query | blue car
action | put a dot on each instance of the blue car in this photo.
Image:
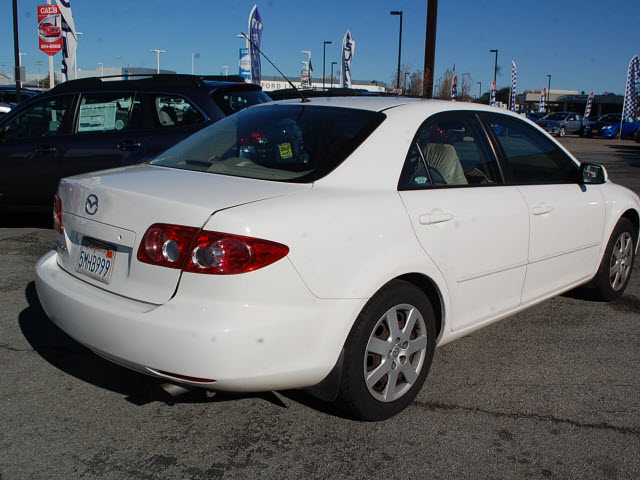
(609, 126)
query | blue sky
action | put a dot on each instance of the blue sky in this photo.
(584, 45)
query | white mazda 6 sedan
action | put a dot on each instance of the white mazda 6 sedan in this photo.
(331, 245)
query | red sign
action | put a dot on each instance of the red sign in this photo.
(49, 29)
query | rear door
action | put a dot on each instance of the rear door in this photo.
(473, 226)
(106, 133)
(31, 145)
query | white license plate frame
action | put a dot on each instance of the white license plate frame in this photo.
(96, 260)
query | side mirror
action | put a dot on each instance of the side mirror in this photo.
(592, 174)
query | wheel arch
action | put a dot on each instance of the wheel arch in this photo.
(633, 216)
(433, 293)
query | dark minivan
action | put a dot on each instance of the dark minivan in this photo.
(99, 123)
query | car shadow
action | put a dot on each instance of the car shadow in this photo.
(26, 220)
(629, 153)
(72, 358)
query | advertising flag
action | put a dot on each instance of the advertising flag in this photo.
(245, 64)
(492, 98)
(49, 29)
(255, 36)
(631, 93)
(454, 88)
(348, 49)
(514, 74)
(69, 39)
(587, 110)
(543, 100)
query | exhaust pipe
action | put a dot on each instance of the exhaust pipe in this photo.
(174, 390)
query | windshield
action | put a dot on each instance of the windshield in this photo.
(555, 116)
(286, 143)
(611, 118)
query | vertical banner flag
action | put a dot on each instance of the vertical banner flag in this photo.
(49, 29)
(492, 98)
(514, 73)
(631, 93)
(244, 64)
(543, 100)
(454, 88)
(255, 35)
(69, 39)
(587, 110)
(348, 49)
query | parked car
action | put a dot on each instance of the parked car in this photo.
(330, 245)
(636, 135)
(96, 123)
(609, 126)
(561, 123)
(9, 95)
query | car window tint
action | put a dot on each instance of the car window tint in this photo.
(106, 112)
(530, 155)
(41, 119)
(233, 101)
(289, 143)
(448, 150)
(174, 111)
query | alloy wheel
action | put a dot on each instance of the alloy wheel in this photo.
(621, 261)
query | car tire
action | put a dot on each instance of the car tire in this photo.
(562, 132)
(388, 353)
(616, 265)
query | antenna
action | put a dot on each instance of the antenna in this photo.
(304, 99)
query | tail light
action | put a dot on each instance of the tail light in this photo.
(57, 214)
(254, 138)
(212, 253)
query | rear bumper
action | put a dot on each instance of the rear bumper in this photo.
(273, 335)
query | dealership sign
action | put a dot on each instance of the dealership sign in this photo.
(49, 29)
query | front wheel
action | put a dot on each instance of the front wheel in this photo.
(388, 353)
(617, 263)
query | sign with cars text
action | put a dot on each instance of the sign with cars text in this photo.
(49, 29)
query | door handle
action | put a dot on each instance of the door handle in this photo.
(45, 149)
(435, 216)
(542, 209)
(129, 145)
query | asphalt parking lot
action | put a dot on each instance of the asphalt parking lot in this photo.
(552, 392)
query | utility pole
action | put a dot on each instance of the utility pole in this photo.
(430, 48)
(16, 50)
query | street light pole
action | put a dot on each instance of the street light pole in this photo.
(479, 89)
(549, 94)
(406, 89)
(395, 12)
(332, 64)
(324, 55)
(158, 52)
(226, 70)
(495, 64)
(101, 68)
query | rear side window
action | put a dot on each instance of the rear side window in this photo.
(174, 111)
(231, 101)
(290, 143)
(107, 112)
(449, 149)
(42, 119)
(531, 157)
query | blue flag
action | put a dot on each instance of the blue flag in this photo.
(255, 36)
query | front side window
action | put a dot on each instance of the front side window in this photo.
(109, 112)
(231, 101)
(531, 157)
(449, 150)
(174, 111)
(42, 119)
(288, 143)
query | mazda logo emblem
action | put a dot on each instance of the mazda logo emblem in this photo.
(91, 204)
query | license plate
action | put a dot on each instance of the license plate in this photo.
(96, 259)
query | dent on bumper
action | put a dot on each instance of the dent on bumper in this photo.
(251, 346)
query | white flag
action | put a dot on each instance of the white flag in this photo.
(69, 39)
(348, 49)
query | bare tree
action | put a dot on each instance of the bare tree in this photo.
(410, 82)
(465, 82)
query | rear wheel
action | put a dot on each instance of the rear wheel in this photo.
(617, 263)
(618, 135)
(388, 353)
(562, 132)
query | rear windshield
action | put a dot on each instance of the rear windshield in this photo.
(231, 101)
(287, 143)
